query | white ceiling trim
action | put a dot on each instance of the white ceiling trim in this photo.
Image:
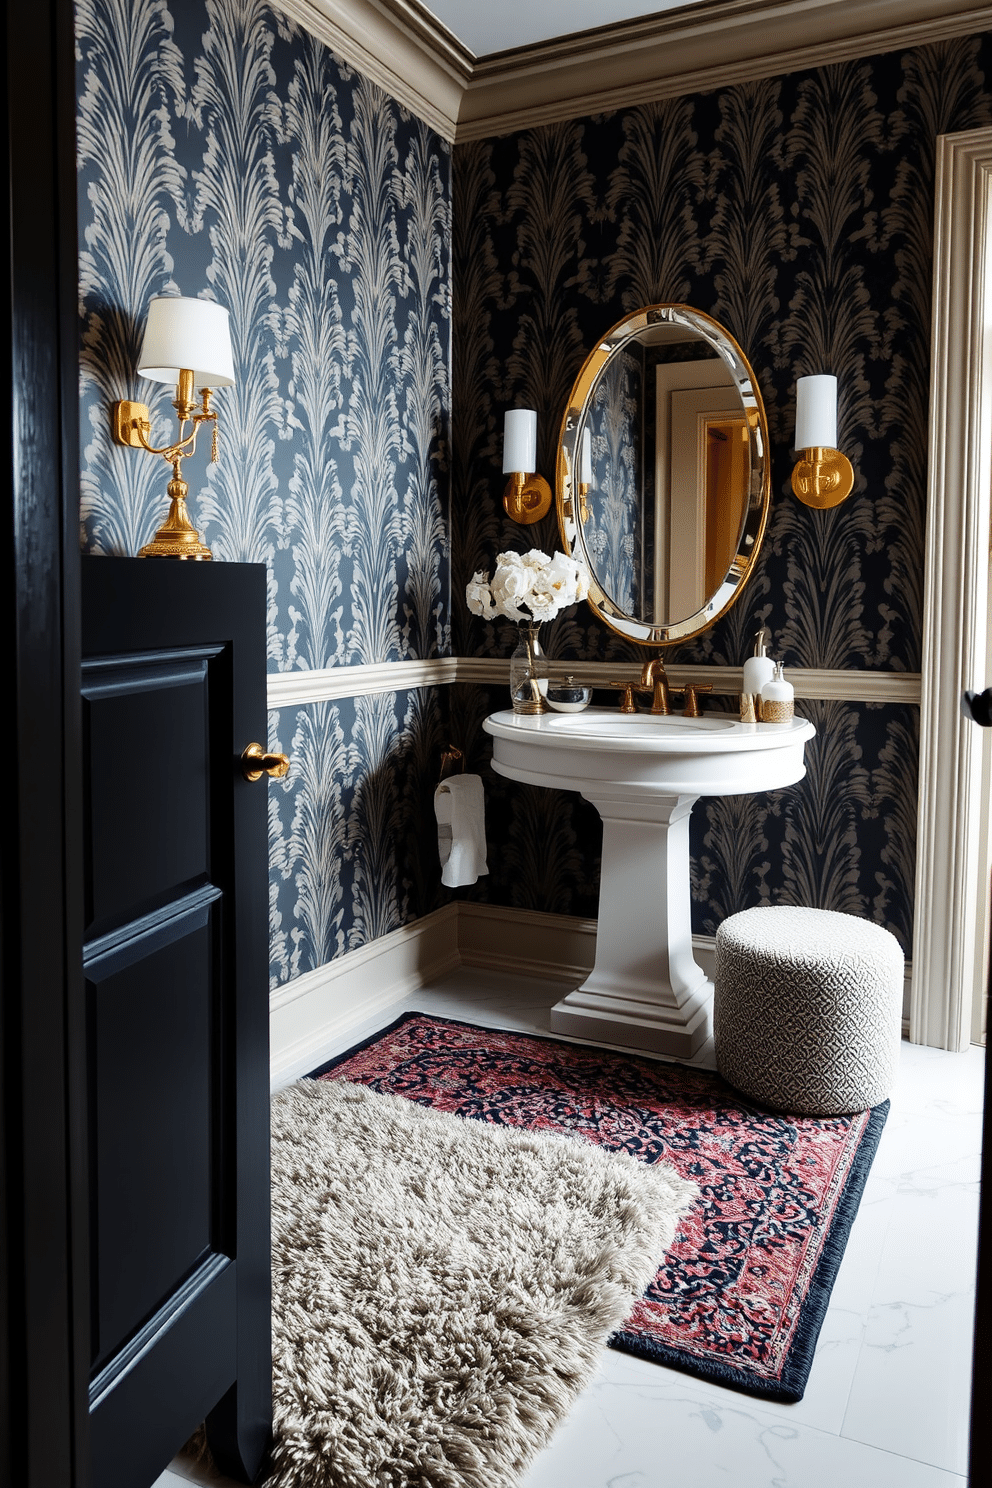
(417, 60)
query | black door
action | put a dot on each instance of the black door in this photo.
(175, 966)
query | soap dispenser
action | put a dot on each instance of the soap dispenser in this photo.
(777, 698)
(759, 668)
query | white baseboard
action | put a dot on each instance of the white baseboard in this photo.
(312, 1013)
(559, 947)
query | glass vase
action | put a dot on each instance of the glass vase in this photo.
(529, 672)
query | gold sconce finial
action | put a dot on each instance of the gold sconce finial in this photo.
(187, 342)
(527, 497)
(822, 477)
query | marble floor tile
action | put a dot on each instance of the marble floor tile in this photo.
(914, 1368)
(625, 1434)
(888, 1396)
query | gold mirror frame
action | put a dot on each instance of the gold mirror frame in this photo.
(756, 515)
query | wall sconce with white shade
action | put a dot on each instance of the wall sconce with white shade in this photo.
(527, 497)
(822, 476)
(188, 344)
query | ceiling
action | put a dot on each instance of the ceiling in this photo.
(515, 23)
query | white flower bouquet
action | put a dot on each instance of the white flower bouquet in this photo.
(529, 586)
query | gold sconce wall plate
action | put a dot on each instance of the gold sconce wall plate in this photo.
(822, 478)
(527, 498)
(130, 421)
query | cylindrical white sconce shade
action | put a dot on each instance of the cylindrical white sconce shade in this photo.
(816, 412)
(184, 333)
(520, 441)
(585, 463)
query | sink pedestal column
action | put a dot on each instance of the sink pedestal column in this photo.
(645, 990)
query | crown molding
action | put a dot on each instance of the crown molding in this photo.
(397, 44)
(694, 49)
(401, 46)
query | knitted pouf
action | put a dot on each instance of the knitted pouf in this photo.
(807, 1009)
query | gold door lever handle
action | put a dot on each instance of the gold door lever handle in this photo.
(255, 763)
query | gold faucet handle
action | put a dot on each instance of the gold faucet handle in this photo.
(627, 689)
(692, 691)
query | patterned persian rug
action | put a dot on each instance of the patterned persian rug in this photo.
(442, 1289)
(741, 1294)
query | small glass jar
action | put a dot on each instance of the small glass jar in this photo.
(565, 695)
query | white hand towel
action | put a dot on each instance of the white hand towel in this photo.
(459, 806)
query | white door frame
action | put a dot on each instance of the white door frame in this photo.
(949, 890)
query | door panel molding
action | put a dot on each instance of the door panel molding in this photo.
(119, 948)
(131, 1355)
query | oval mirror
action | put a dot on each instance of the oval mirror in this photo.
(663, 473)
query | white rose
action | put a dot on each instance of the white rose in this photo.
(560, 577)
(543, 608)
(479, 597)
(509, 585)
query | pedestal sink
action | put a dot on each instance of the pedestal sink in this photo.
(643, 773)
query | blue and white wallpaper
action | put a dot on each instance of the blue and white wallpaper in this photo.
(797, 211)
(612, 532)
(224, 152)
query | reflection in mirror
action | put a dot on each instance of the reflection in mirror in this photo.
(672, 491)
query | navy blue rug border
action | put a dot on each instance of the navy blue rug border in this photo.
(791, 1384)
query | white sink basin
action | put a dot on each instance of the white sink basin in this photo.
(592, 722)
(715, 755)
(643, 773)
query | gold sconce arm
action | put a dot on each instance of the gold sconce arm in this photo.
(131, 424)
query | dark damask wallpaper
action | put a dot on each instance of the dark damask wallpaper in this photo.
(798, 211)
(224, 152)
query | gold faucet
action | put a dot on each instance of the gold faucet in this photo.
(655, 681)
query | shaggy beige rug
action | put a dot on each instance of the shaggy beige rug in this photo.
(442, 1287)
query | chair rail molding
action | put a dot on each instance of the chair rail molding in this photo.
(297, 688)
(951, 827)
